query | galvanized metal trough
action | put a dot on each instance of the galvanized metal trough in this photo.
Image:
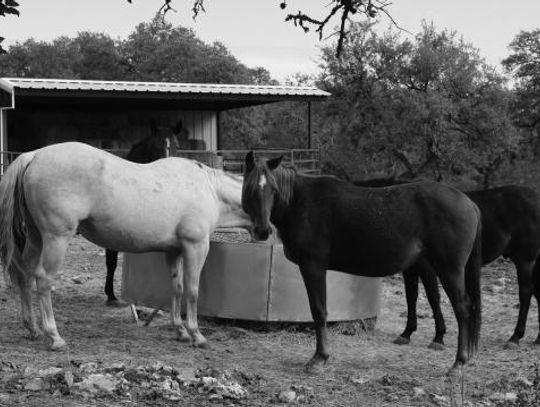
(249, 281)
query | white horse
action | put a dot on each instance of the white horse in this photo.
(171, 205)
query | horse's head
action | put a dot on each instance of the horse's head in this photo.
(180, 135)
(164, 139)
(259, 192)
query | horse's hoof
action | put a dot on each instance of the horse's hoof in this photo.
(511, 345)
(183, 337)
(400, 340)
(201, 344)
(455, 371)
(34, 333)
(316, 365)
(58, 345)
(34, 336)
(115, 303)
(436, 346)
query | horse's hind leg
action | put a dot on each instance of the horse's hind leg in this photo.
(194, 257)
(431, 286)
(524, 270)
(410, 278)
(30, 260)
(536, 286)
(24, 285)
(453, 282)
(111, 261)
(54, 248)
(174, 262)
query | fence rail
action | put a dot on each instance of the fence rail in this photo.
(7, 158)
(306, 160)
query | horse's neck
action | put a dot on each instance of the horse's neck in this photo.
(285, 179)
(229, 196)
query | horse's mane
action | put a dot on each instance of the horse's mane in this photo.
(284, 177)
(216, 174)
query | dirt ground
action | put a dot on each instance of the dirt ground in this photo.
(255, 365)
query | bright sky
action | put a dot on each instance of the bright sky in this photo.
(254, 30)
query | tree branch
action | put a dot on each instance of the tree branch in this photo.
(400, 155)
(7, 7)
(370, 8)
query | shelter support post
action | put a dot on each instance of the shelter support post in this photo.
(3, 140)
(218, 131)
(309, 126)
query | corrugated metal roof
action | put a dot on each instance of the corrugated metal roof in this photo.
(11, 84)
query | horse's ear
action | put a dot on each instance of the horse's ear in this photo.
(250, 161)
(274, 163)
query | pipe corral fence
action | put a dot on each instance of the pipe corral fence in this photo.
(306, 160)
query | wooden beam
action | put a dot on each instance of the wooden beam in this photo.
(218, 130)
(3, 140)
(309, 126)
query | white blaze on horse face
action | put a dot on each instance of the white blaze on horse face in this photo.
(262, 181)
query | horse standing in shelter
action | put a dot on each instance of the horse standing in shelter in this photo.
(510, 228)
(157, 145)
(326, 223)
(171, 205)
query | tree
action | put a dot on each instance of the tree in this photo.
(98, 56)
(87, 56)
(524, 64)
(7, 7)
(157, 51)
(429, 107)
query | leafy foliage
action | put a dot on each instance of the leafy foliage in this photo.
(524, 64)
(429, 107)
(157, 51)
(7, 7)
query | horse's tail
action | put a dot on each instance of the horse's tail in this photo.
(12, 215)
(472, 286)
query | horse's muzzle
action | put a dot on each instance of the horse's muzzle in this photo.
(261, 233)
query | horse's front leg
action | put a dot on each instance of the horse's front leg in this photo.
(111, 261)
(314, 276)
(410, 278)
(536, 286)
(194, 257)
(174, 262)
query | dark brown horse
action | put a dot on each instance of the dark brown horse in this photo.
(151, 148)
(511, 228)
(326, 223)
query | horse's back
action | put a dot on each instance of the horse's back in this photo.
(68, 174)
(511, 221)
(426, 204)
(74, 183)
(389, 228)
